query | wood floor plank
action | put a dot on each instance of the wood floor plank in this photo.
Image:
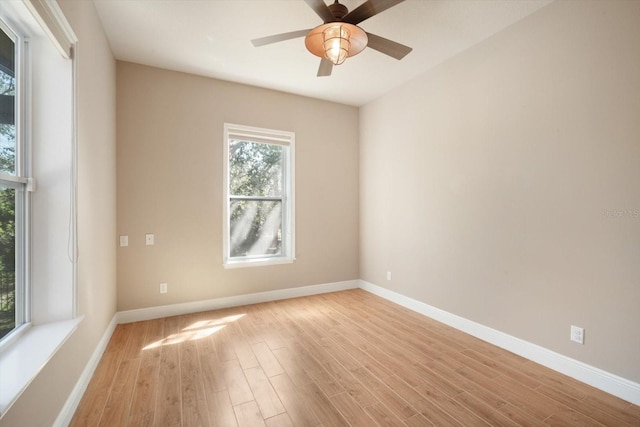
(462, 380)
(449, 405)
(435, 406)
(432, 379)
(619, 418)
(532, 400)
(144, 396)
(338, 353)
(344, 377)
(268, 361)
(484, 411)
(522, 398)
(241, 346)
(155, 332)
(345, 358)
(265, 396)
(212, 375)
(503, 368)
(558, 381)
(383, 416)
(168, 398)
(248, 415)
(322, 406)
(118, 341)
(300, 413)
(116, 410)
(223, 345)
(140, 420)
(221, 411)
(237, 386)
(293, 369)
(351, 410)
(194, 401)
(519, 416)
(95, 398)
(281, 420)
(634, 411)
(610, 404)
(569, 417)
(418, 420)
(384, 394)
(316, 371)
(135, 343)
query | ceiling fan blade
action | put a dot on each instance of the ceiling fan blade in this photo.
(320, 8)
(368, 9)
(325, 68)
(279, 37)
(388, 47)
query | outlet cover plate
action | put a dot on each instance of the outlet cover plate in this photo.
(577, 334)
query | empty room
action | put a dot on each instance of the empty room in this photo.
(319, 213)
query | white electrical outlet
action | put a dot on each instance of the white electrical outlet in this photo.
(577, 334)
(149, 239)
(388, 275)
(163, 288)
(124, 240)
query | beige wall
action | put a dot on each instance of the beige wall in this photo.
(488, 185)
(169, 160)
(43, 399)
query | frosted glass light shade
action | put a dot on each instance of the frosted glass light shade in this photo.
(336, 43)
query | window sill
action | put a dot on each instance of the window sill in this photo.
(22, 360)
(257, 262)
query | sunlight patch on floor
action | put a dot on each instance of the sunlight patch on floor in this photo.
(196, 331)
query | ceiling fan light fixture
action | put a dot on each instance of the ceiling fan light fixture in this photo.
(340, 37)
(336, 43)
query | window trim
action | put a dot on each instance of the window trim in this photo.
(265, 136)
(20, 182)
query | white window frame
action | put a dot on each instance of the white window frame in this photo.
(21, 182)
(264, 136)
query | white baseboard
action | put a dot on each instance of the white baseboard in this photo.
(234, 301)
(70, 406)
(596, 377)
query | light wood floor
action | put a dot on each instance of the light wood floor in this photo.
(340, 359)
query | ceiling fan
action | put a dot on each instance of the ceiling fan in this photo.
(340, 36)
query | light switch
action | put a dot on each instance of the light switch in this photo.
(124, 240)
(150, 239)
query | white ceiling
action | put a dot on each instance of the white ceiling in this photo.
(212, 38)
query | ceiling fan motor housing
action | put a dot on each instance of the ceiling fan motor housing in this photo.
(338, 10)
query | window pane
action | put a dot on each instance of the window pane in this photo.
(256, 228)
(255, 169)
(7, 104)
(7, 260)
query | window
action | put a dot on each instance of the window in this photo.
(37, 228)
(259, 196)
(13, 186)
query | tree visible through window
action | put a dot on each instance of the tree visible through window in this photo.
(7, 193)
(259, 195)
(255, 182)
